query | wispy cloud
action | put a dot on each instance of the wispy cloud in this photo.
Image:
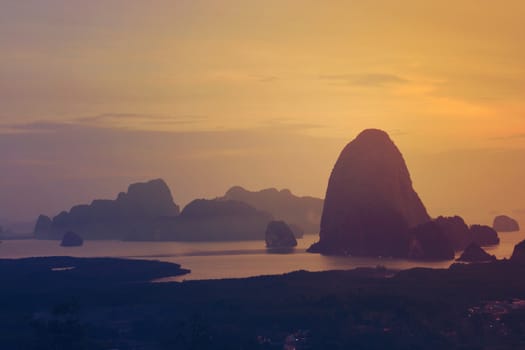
(509, 137)
(33, 127)
(290, 125)
(476, 87)
(366, 80)
(266, 78)
(234, 76)
(126, 121)
(154, 123)
(140, 121)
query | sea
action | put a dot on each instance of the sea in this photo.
(218, 260)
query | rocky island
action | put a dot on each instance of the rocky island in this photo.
(474, 253)
(71, 239)
(279, 235)
(504, 223)
(456, 231)
(215, 220)
(372, 209)
(147, 212)
(132, 215)
(370, 203)
(484, 235)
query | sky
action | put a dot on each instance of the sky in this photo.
(208, 94)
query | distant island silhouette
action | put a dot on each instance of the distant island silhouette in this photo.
(214, 220)
(370, 209)
(504, 223)
(71, 239)
(301, 212)
(474, 253)
(147, 212)
(279, 235)
(132, 215)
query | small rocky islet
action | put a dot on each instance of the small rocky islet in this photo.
(504, 223)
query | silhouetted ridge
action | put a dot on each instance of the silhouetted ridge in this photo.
(484, 235)
(370, 203)
(301, 212)
(429, 242)
(200, 208)
(151, 198)
(456, 231)
(216, 220)
(132, 215)
(518, 255)
(43, 224)
(474, 253)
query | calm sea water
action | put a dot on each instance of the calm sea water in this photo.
(212, 260)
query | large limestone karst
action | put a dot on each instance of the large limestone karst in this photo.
(370, 203)
(132, 215)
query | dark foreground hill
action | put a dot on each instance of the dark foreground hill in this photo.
(31, 275)
(478, 306)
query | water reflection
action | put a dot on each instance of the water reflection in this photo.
(210, 260)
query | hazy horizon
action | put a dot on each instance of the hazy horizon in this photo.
(206, 95)
(443, 180)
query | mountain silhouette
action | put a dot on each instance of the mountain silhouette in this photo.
(301, 212)
(370, 203)
(131, 215)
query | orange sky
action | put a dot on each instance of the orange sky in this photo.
(284, 83)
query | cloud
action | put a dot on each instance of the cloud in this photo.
(126, 121)
(366, 80)
(33, 162)
(33, 127)
(477, 87)
(152, 123)
(265, 78)
(235, 76)
(141, 121)
(509, 137)
(290, 125)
